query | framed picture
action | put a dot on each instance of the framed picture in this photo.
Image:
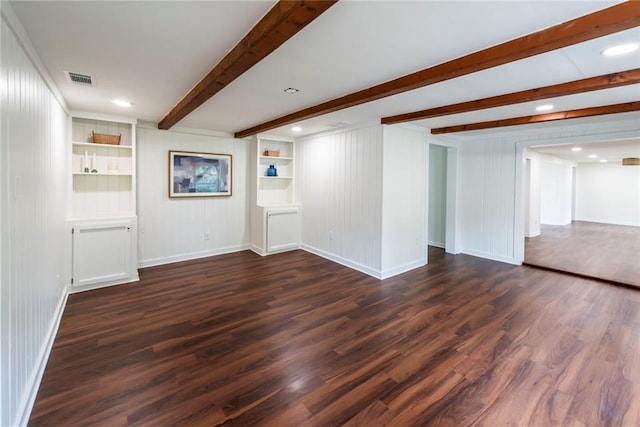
(199, 174)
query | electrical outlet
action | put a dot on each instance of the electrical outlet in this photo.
(331, 235)
(207, 235)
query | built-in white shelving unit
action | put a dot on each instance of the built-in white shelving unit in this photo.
(275, 190)
(275, 217)
(102, 213)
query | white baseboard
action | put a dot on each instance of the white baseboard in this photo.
(403, 268)
(76, 289)
(193, 255)
(437, 244)
(256, 249)
(343, 261)
(605, 221)
(33, 384)
(493, 257)
(378, 274)
(536, 234)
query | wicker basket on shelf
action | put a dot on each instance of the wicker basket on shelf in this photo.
(272, 153)
(103, 138)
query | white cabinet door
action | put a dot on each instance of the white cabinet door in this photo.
(283, 229)
(101, 253)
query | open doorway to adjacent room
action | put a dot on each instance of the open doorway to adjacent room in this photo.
(582, 210)
(443, 181)
(437, 196)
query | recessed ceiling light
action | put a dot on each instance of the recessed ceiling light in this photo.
(545, 107)
(593, 156)
(576, 149)
(291, 90)
(603, 161)
(296, 128)
(620, 49)
(122, 103)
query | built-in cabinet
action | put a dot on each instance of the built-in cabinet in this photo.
(102, 214)
(275, 217)
(275, 190)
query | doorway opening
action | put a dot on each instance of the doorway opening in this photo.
(437, 196)
(582, 213)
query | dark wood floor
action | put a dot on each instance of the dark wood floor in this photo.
(603, 251)
(293, 339)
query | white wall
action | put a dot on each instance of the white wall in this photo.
(608, 193)
(174, 229)
(437, 195)
(556, 185)
(363, 195)
(340, 189)
(487, 198)
(491, 187)
(532, 194)
(404, 200)
(33, 173)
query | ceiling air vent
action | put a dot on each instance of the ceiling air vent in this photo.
(339, 124)
(80, 79)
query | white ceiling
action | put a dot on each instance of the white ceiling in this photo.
(609, 151)
(154, 52)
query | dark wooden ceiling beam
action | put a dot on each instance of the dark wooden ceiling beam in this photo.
(625, 107)
(281, 23)
(606, 81)
(616, 18)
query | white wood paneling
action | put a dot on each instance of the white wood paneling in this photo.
(33, 204)
(111, 191)
(608, 193)
(492, 186)
(179, 229)
(437, 195)
(404, 200)
(104, 253)
(487, 198)
(340, 188)
(283, 229)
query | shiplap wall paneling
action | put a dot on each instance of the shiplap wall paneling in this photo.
(437, 195)
(109, 158)
(340, 180)
(280, 190)
(404, 200)
(487, 198)
(111, 191)
(178, 229)
(82, 128)
(33, 202)
(102, 196)
(491, 185)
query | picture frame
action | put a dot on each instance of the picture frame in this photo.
(194, 174)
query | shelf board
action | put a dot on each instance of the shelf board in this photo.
(276, 177)
(276, 158)
(101, 174)
(91, 144)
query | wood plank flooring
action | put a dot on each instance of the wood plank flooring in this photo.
(602, 251)
(296, 340)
